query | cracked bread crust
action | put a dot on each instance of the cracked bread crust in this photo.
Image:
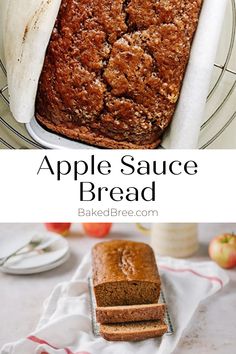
(113, 69)
(124, 273)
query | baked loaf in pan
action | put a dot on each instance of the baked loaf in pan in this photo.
(113, 69)
(134, 331)
(124, 273)
(131, 313)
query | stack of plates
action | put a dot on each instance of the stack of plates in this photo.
(54, 253)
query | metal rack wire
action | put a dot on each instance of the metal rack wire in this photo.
(220, 102)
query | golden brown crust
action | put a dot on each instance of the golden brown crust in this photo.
(122, 260)
(115, 69)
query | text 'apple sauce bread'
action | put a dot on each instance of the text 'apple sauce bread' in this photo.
(113, 70)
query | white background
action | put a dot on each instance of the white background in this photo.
(208, 196)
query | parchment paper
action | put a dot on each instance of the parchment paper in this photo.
(185, 127)
(26, 27)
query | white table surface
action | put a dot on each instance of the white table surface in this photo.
(212, 329)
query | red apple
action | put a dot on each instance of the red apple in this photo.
(59, 227)
(99, 230)
(222, 250)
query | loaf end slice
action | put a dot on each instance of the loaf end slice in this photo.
(134, 331)
(132, 313)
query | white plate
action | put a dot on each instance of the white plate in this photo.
(36, 269)
(34, 261)
(13, 238)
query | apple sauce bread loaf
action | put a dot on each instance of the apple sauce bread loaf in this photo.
(124, 273)
(113, 69)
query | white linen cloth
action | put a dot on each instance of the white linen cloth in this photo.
(65, 325)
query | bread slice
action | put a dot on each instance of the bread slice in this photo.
(131, 313)
(125, 273)
(133, 331)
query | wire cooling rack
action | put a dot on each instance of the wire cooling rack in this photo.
(220, 107)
